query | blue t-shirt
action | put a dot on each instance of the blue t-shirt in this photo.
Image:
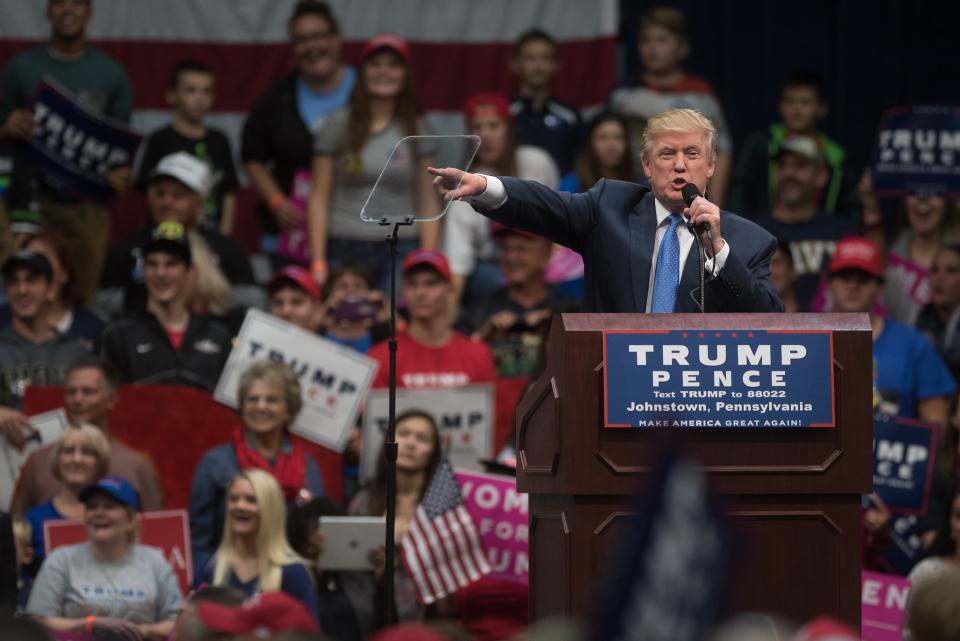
(314, 106)
(37, 516)
(909, 370)
(361, 344)
(812, 244)
(295, 580)
(570, 183)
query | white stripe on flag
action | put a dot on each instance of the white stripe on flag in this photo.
(435, 545)
(414, 568)
(422, 550)
(463, 545)
(451, 549)
(475, 546)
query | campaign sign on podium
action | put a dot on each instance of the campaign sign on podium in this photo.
(166, 530)
(333, 378)
(718, 378)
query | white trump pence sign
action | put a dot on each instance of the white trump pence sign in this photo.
(334, 379)
(464, 416)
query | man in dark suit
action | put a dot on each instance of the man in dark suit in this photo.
(635, 240)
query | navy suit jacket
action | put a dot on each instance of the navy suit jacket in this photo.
(613, 226)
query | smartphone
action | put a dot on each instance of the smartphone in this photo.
(353, 308)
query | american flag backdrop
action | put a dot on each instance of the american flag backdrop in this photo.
(459, 47)
(441, 548)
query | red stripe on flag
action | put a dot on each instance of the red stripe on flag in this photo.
(462, 545)
(475, 546)
(427, 560)
(414, 568)
(451, 551)
(436, 547)
(447, 73)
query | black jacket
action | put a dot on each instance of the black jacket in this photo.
(140, 348)
(275, 134)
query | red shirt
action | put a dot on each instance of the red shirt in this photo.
(176, 337)
(458, 363)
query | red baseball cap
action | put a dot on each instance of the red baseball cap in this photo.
(499, 231)
(299, 277)
(390, 41)
(431, 258)
(408, 632)
(827, 629)
(261, 616)
(496, 100)
(857, 253)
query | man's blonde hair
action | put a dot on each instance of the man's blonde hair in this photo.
(683, 121)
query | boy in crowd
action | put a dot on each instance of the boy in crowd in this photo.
(176, 192)
(803, 104)
(783, 275)
(512, 320)
(295, 298)
(800, 173)
(910, 375)
(430, 353)
(31, 351)
(166, 343)
(190, 94)
(664, 43)
(539, 119)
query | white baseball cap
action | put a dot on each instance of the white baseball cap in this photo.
(186, 168)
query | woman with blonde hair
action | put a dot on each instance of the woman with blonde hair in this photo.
(80, 456)
(254, 554)
(270, 399)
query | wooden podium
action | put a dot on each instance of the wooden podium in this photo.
(793, 494)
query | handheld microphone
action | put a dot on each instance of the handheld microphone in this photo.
(690, 193)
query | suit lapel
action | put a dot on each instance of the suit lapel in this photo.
(643, 234)
(690, 283)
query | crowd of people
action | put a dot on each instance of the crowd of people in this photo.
(163, 305)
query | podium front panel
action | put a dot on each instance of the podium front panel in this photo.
(792, 494)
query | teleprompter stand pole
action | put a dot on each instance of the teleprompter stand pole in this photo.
(390, 443)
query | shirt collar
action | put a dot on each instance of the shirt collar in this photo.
(662, 212)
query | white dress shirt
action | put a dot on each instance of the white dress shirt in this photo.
(495, 196)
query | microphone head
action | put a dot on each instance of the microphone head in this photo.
(690, 193)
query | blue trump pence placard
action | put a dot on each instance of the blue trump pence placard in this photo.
(718, 379)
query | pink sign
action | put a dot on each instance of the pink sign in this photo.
(500, 513)
(295, 244)
(883, 599)
(167, 530)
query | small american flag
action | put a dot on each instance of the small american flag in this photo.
(441, 549)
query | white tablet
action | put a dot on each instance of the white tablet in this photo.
(348, 541)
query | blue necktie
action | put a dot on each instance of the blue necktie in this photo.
(666, 281)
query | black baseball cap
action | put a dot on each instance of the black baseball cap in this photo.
(169, 237)
(36, 262)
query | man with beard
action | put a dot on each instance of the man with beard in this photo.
(810, 233)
